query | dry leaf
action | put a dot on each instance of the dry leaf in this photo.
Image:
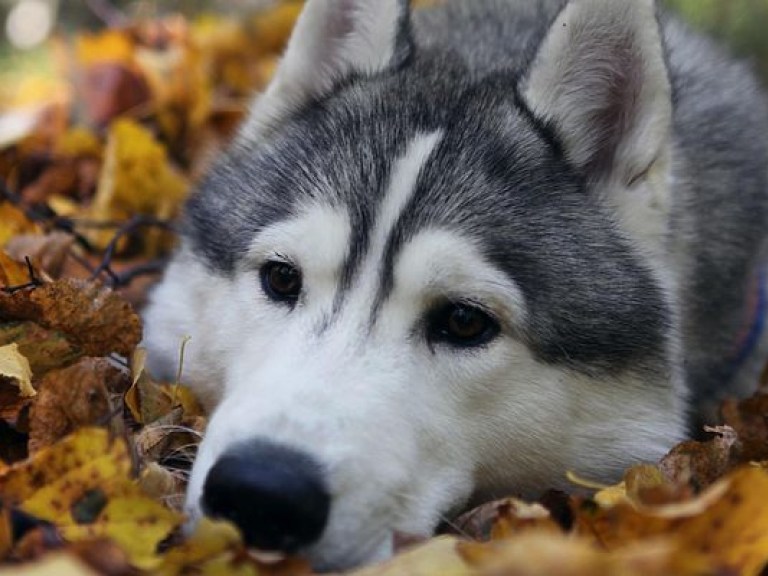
(438, 556)
(700, 464)
(750, 420)
(15, 366)
(548, 553)
(82, 485)
(12, 272)
(45, 349)
(73, 398)
(727, 524)
(60, 564)
(137, 179)
(12, 222)
(92, 317)
(47, 252)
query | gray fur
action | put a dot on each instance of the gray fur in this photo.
(594, 303)
(589, 174)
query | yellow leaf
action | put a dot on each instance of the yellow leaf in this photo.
(13, 222)
(438, 556)
(15, 366)
(66, 466)
(549, 553)
(137, 179)
(52, 565)
(728, 523)
(210, 540)
(79, 141)
(108, 46)
(134, 522)
(83, 486)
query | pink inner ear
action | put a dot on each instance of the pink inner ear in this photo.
(617, 89)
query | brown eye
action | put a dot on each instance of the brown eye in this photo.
(281, 282)
(462, 325)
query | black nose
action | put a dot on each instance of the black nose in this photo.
(274, 494)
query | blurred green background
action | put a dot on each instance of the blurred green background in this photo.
(741, 23)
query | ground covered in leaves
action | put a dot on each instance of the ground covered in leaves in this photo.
(95, 163)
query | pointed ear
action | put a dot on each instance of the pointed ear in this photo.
(601, 80)
(333, 40)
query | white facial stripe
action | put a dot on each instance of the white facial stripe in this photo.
(405, 173)
(443, 263)
(402, 185)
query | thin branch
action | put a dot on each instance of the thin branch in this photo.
(126, 229)
(34, 281)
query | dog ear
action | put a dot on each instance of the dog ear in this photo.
(600, 80)
(333, 40)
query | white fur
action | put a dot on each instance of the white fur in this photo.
(332, 39)
(595, 50)
(405, 431)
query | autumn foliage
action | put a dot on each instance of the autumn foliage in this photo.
(95, 452)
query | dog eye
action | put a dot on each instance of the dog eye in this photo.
(281, 282)
(462, 325)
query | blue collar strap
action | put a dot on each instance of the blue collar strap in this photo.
(750, 337)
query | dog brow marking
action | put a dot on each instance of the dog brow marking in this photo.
(402, 185)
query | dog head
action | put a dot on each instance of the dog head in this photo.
(408, 286)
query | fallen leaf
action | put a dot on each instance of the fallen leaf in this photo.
(14, 366)
(12, 222)
(73, 398)
(47, 252)
(749, 418)
(12, 406)
(438, 556)
(137, 179)
(59, 564)
(700, 464)
(45, 349)
(92, 317)
(216, 549)
(548, 553)
(727, 523)
(12, 272)
(82, 484)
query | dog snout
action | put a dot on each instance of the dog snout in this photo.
(276, 495)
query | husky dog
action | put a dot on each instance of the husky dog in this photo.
(456, 252)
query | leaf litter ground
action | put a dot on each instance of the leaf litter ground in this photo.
(95, 452)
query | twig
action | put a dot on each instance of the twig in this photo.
(150, 268)
(34, 281)
(127, 228)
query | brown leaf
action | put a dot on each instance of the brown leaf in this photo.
(12, 404)
(45, 349)
(91, 316)
(700, 464)
(549, 553)
(83, 486)
(727, 524)
(503, 519)
(73, 398)
(750, 420)
(12, 272)
(12, 222)
(14, 366)
(47, 252)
